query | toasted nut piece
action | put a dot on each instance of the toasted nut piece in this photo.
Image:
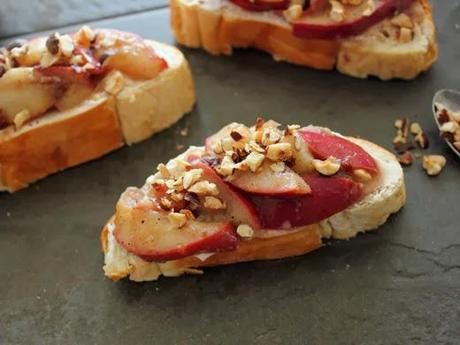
(457, 145)
(362, 175)
(337, 11)
(293, 12)
(213, 203)
(204, 188)
(177, 219)
(327, 167)
(217, 147)
(85, 36)
(227, 166)
(402, 20)
(191, 176)
(256, 147)
(450, 127)
(154, 180)
(164, 171)
(114, 83)
(21, 117)
(177, 197)
(405, 35)
(415, 128)
(401, 148)
(227, 144)
(254, 160)
(406, 158)
(236, 135)
(443, 116)
(259, 123)
(433, 164)
(457, 135)
(19, 52)
(422, 140)
(278, 167)
(77, 60)
(270, 136)
(66, 45)
(279, 152)
(244, 230)
(370, 7)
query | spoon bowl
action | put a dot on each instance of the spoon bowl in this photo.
(449, 100)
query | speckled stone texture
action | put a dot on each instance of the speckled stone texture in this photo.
(397, 285)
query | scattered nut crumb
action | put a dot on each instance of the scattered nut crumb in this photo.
(327, 167)
(362, 175)
(254, 160)
(433, 164)
(184, 132)
(406, 158)
(204, 188)
(191, 176)
(164, 171)
(213, 203)
(245, 230)
(177, 219)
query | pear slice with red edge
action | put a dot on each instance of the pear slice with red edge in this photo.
(262, 5)
(329, 195)
(148, 233)
(323, 144)
(266, 181)
(318, 24)
(238, 208)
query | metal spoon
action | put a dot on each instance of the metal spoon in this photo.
(449, 100)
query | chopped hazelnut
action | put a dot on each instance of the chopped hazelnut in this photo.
(227, 166)
(270, 136)
(85, 36)
(236, 135)
(457, 145)
(422, 140)
(278, 167)
(443, 116)
(204, 188)
(415, 128)
(217, 147)
(165, 203)
(406, 158)
(77, 60)
(177, 219)
(433, 164)
(245, 230)
(405, 35)
(66, 45)
(164, 171)
(213, 203)
(337, 11)
(402, 20)
(191, 176)
(254, 160)
(21, 117)
(327, 167)
(177, 197)
(293, 12)
(189, 214)
(151, 180)
(227, 144)
(362, 175)
(114, 83)
(52, 43)
(450, 127)
(370, 7)
(279, 152)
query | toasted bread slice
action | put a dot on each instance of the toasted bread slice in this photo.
(367, 214)
(218, 26)
(101, 124)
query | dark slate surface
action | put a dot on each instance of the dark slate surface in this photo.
(23, 16)
(397, 285)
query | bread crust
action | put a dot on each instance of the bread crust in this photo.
(102, 124)
(207, 25)
(297, 243)
(58, 141)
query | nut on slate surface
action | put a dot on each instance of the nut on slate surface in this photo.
(433, 164)
(406, 158)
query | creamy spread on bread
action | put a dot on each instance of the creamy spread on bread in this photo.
(59, 72)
